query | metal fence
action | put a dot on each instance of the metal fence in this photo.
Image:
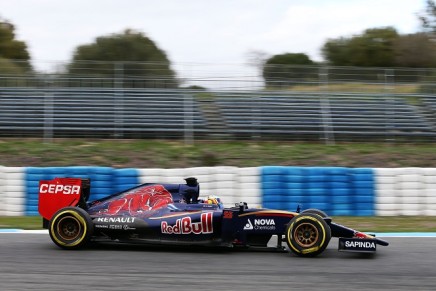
(213, 76)
(324, 104)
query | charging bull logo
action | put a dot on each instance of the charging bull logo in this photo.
(139, 201)
(186, 226)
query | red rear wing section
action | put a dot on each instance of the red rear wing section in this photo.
(59, 193)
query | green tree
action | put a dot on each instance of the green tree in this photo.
(129, 56)
(13, 50)
(287, 69)
(428, 22)
(428, 17)
(415, 51)
(373, 48)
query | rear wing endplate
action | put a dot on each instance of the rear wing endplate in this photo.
(62, 192)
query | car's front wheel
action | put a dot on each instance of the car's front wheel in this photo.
(71, 228)
(307, 235)
(315, 211)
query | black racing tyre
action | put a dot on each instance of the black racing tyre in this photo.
(71, 228)
(314, 211)
(307, 235)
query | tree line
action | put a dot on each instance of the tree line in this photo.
(142, 59)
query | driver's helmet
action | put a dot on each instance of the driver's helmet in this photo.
(211, 199)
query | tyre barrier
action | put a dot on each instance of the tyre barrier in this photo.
(231, 184)
(338, 191)
(335, 190)
(405, 191)
(12, 191)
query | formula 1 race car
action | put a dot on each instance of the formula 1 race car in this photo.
(174, 214)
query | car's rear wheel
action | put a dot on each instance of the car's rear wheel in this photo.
(307, 235)
(70, 228)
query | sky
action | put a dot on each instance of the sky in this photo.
(207, 32)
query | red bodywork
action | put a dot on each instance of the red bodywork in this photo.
(58, 193)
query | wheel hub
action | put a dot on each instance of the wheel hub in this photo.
(69, 228)
(306, 235)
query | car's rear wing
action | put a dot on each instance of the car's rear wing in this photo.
(61, 192)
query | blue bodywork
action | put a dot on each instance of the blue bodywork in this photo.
(129, 216)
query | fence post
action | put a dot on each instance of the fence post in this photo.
(256, 111)
(324, 102)
(188, 110)
(118, 100)
(390, 105)
(48, 111)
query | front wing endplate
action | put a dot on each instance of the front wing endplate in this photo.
(359, 245)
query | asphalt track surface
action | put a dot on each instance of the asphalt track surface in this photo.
(33, 262)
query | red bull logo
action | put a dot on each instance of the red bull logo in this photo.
(186, 226)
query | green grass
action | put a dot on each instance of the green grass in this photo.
(389, 224)
(21, 222)
(360, 87)
(369, 224)
(176, 154)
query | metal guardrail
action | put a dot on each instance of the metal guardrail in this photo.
(189, 114)
(101, 113)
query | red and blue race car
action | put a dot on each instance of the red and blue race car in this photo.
(175, 214)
